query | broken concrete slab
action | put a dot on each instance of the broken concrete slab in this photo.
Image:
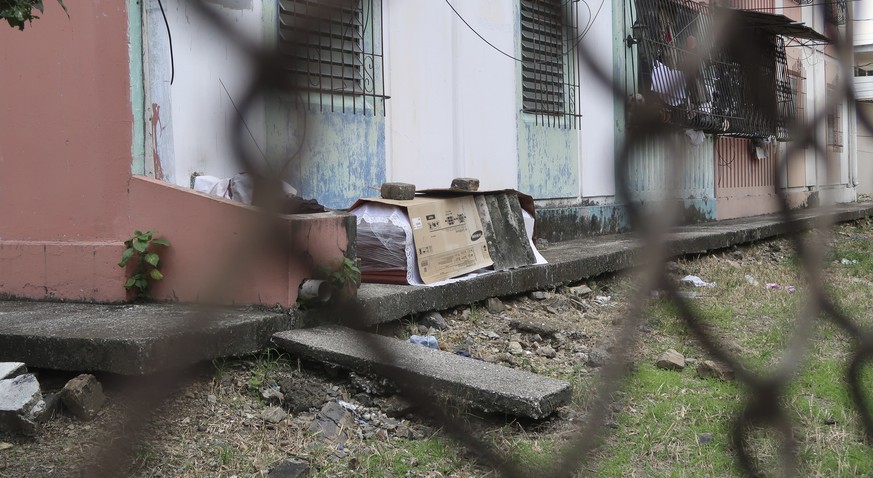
(21, 404)
(11, 369)
(572, 261)
(486, 386)
(83, 396)
(128, 339)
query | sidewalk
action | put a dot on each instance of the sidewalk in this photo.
(134, 339)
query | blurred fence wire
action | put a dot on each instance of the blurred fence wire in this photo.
(764, 406)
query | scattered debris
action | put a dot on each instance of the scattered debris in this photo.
(581, 290)
(433, 319)
(540, 327)
(539, 295)
(603, 299)
(398, 191)
(597, 357)
(845, 261)
(290, 469)
(494, 305)
(428, 341)
(789, 288)
(697, 281)
(711, 369)
(20, 404)
(83, 396)
(752, 281)
(11, 369)
(272, 395)
(332, 422)
(671, 360)
(273, 414)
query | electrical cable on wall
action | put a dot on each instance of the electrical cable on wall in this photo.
(170, 38)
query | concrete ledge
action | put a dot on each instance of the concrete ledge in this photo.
(589, 257)
(131, 339)
(485, 386)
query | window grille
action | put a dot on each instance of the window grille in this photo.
(549, 68)
(835, 11)
(798, 87)
(737, 90)
(333, 54)
(834, 121)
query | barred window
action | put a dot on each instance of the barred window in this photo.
(549, 69)
(798, 87)
(333, 53)
(834, 120)
(740, 89)
(835, 11)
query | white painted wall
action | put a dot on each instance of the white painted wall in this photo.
(202, 112)
(597, 105)
(455, 100)
(453, 105)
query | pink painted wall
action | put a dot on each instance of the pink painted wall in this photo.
(68, 200)
(65, 124)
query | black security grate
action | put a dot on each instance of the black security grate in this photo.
(732, 90)
(333, 52)
(549, 76)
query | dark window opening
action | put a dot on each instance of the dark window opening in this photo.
(834, 121)
(333, 54)
(549, 68)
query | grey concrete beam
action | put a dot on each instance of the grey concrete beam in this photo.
(127, 339)
(485, 386)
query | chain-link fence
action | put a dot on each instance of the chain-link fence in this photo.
(764, 406)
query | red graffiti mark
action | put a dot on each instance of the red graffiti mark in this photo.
(156, 157)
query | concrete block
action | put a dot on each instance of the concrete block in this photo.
(11, 369)
(465, 184)
(485, 386)
(398, 191)
(21, 404)
(83, 396)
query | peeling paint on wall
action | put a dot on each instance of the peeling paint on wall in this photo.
(548, 162)
(342, 156)
(157, 131)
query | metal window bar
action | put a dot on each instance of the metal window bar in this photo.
(834, 121)
(334, 54)
(549, 68)
(737, 90)
(836, 11)
(798, 88)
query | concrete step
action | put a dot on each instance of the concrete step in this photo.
(485, 386)
(128, 339)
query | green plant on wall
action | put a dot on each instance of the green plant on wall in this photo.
(19, 12)
(141, 249)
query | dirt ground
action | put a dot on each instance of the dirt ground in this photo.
(244, 416)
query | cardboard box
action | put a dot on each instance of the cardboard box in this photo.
(447, 233)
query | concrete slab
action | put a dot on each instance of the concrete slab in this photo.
(575, 260)
(485, 386)
(126, 339)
